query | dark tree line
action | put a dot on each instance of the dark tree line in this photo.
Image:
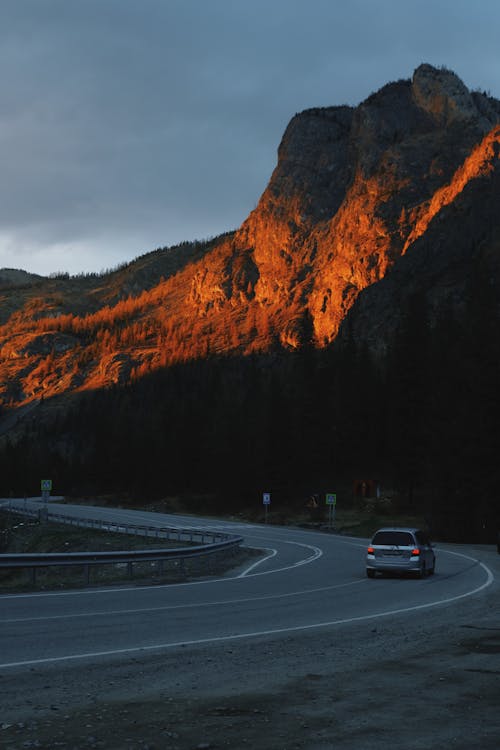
(424, 421)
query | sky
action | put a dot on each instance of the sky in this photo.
(127, 125)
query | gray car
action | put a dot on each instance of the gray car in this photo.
(400, 550)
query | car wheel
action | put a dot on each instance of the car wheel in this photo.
(423, 571)
(370, 573)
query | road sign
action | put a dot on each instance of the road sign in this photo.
(331, 501)
(266, 498)
(46, 485)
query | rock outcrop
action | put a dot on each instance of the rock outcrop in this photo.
(355, 188)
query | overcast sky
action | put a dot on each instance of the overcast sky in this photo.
(126, 125)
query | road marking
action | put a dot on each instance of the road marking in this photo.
(169, 607)
(272, 553)
(317, 552)
(255, 634)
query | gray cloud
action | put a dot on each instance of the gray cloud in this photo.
(129, 124)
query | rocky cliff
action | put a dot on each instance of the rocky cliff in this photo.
(365, 205)
(355, 189)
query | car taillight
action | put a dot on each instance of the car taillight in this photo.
(415, 551)
(370, 550)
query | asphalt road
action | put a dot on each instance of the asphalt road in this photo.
(305, 582)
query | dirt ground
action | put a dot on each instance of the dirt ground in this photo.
(431, 681)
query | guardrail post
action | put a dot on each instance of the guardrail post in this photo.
(130, 571)
(86, 570)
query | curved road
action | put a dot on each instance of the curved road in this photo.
(305, 581)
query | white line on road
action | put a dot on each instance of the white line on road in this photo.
(272, 553)
(169, 607)
(317, 552)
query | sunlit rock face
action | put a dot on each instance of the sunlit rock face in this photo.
(365, 204)
(455, 237)
(354, 188)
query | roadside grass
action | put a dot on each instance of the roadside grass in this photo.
(24, 534)
(360, 522)
(364, 523)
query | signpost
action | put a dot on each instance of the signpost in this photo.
(266, 501)
(331, 501)
(46, 486)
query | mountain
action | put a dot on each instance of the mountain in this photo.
(401, 189)
(378, 236)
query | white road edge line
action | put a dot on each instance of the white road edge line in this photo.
(255, 634)
(169, 607)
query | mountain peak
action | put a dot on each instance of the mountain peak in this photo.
(443, 95)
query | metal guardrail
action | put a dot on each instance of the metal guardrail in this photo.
(160, 532)
(220, 542)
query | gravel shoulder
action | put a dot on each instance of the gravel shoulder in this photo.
(430, 680)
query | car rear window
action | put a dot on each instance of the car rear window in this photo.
(397, 538)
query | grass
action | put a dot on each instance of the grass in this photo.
(29, 535)
(359, 522)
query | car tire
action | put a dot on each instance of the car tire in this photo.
(370, 573)
(423, 571)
